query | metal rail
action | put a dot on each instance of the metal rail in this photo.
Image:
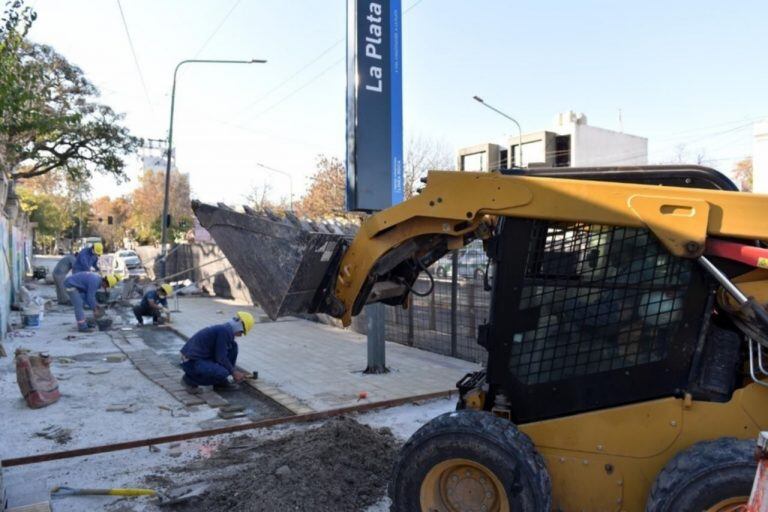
(186, 436)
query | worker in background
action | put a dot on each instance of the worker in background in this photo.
(88, 258)
(208, 358)
(82, 288)
(154, 304)
(60, 271)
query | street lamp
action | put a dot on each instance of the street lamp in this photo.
(519, 130)
(164, 220)
(290, 180)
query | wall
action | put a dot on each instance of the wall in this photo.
(592, 146)
(5, 275)
(760, 158)
(201, 263)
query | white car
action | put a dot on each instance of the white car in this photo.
(127, 264)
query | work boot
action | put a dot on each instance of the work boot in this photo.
(190, 386)
(139, 318)
(225, 386)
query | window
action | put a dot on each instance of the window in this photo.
(473, 162)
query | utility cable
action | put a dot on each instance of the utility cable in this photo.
(218, 27)
(135, 57)
(303, 68)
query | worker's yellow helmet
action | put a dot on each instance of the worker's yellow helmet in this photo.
(247, 320)
(98, 248)
(111, 280)
(168, 289)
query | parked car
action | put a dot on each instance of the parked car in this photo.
(472, 263)
(127, 263)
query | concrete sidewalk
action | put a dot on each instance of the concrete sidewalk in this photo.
(311, 366)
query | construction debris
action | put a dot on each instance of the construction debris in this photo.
(55, 433)
(341, 466)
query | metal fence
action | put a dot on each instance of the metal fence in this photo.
(446, 320)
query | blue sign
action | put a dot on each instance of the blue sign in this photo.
(374, 105)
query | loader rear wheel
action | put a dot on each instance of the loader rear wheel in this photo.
(713, 476)
(469, 461)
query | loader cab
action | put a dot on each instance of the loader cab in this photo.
(585, 317)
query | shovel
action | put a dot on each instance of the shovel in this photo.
(172, 497)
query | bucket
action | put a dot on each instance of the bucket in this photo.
(104, 324)
(30, 319)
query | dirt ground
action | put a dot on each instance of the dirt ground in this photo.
(340, 466)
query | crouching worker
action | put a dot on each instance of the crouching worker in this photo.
(154, 304)
(209, 357)
(82, 288)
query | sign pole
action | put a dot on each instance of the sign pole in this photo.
(374, 127)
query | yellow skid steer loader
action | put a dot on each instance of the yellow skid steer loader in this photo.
(625, 340)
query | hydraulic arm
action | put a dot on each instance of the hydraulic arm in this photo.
(384, 259)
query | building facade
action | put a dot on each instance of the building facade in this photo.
(570, 143)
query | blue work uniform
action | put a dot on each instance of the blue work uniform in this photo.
(86, 260)
(60, 271)
(82, 288)
(210, 355)
(145, 309)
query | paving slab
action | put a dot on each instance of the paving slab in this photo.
(320, 367)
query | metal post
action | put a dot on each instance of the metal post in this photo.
(454, 301)
(290, 180)
(519, 130)
(164, 220)
(376, 316)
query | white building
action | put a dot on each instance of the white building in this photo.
(760, 158)
(570, 143)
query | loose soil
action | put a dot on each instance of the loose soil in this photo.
(340, 466)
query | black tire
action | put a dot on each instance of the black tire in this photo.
(482, 438)
(704, 475)
(440, 272)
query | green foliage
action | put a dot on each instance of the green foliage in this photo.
(48, 117)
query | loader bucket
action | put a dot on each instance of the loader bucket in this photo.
(288, 265)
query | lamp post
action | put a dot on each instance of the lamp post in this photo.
(290, 180)
(164, 220)
(519, 130)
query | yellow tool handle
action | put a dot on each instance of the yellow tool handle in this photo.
(131, 492)
(61, 490)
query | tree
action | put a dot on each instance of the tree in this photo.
(424, 154)
(147, 203)
(682, 156)
(48, 117)
(51, 216)
(110, 217)
(743, 174)
(327, 189)
(258, 198)
(58, 204)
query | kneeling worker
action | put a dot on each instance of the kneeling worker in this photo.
(209, 357)
(154, 304)
(82, 288)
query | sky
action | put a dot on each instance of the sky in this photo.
(689, 72)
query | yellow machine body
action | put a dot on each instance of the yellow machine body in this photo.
(607, 460)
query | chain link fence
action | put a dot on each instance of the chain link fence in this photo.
(446, 319)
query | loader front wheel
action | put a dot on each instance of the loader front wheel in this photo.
(469, 461)
(713, 476)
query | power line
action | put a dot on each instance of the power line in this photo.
(303, 68)
(294, 75)
(297, 90)
(218, 27)
(135, 58)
